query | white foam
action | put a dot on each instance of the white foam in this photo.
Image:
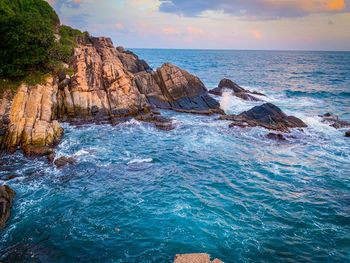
(146, 160)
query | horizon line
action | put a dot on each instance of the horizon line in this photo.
(237, 49)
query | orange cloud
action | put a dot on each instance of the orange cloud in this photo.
(256, 34)
(336, 5)
(170, 30)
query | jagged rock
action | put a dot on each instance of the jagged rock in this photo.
(6, 198)
(347, 134)
(32, 125)
(63, 161)
(101, 84)
(334, 121)
(132, 62)
(276, 136)
(268, 116)
(195, 258)
(238, 91)
(170, 87)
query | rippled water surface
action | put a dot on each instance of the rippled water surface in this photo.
(139, 194)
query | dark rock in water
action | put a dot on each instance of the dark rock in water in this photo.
(237, 90)
(7, 177)
(24, 253)
(334, 121)
(195, 258)
(159, 121)
(51, 157)
(347, 134)
(63, 161)
(6, 198)
(173, 88)
(33, 150)
(276, 136)
(268, 116)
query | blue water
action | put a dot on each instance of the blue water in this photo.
(139, 194)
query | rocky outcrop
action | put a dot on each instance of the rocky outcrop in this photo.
(170, 87)
(195, 258)
(101, 87)
(6, 198)
(276, 136)
(31, 119)
(334, 121)
(109, 85)
(238, 91)
(268, 116)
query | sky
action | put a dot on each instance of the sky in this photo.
(213, 24)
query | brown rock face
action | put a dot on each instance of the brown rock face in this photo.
(237, 90)
(131, 61)
(195, 258)
(170, 87)
(268, 116)
(31, 119)
(6, 198)
(101, 86)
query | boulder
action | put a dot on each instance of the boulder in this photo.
(195, 258)
(334, 121)
(268, 116)
(170, 87)
(347, 134)
(64, 160)
(6, 198)
(238, 91)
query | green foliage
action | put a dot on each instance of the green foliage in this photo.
(29, 45)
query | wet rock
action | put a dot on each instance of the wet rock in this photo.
(268, 116)
(159, 121)
(51, 157)
(64, 160)
(347, 134)
(276, 136)
(334, 121)
(6, 198)
(238, 91)
(195, 258)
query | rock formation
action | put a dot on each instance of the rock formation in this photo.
(195, 258)
(63, 161)
(238, 91)
(268, 116)
(30, 119)
(276, 136)
(334, 121)
(108, 85)
(347, 134)
(170, 87)
(6, 198)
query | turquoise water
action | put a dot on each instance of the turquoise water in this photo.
(139, 194)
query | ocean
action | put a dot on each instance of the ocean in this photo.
(139, 194)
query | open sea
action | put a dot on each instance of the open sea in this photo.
(139, 194)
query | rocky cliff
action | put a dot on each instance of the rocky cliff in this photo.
(108, 85)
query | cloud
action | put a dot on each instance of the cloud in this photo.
(255, 9)
(256, 34)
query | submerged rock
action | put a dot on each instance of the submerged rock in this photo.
(347, 134)
(159, 121)
(334, 121)
(276, 136)
(268, 116)
(63, 161)
(195, 258)
(238, 91)
(6, 199)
